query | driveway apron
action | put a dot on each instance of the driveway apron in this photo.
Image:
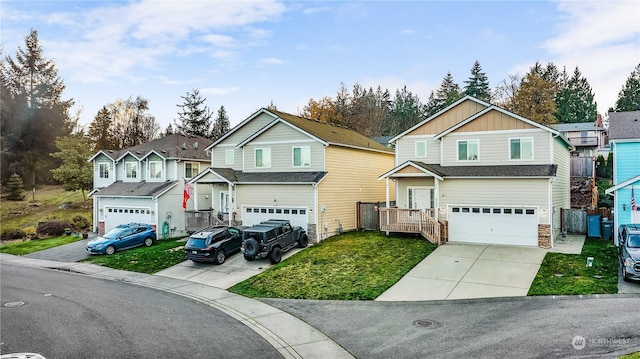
(462, 271)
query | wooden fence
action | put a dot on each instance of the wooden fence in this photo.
(582, 166)
(575, 220)
(368, 215)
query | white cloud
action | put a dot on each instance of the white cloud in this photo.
(271, 61)
(219, 90)
(603, 39)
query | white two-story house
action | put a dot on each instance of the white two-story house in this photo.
(145, 183)
(489, 175)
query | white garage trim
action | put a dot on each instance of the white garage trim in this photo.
(299, 216)
(508, 225)
(116, 215)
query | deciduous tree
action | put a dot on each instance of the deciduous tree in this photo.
(75, 172)
(536, 98)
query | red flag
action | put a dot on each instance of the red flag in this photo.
(188, 192)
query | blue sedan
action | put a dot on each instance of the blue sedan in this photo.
(122, 237)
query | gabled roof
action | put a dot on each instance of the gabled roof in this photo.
(510, 171)
(624, 125)
(232, 176)
(135, 189)
(167, 147)
(622, 184)
(471, 98)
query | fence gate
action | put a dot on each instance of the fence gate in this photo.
(368, 216)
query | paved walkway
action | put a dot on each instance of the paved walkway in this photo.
(292, 337)
(461, 271)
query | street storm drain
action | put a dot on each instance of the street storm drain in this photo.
(13, 304)
(427, 323)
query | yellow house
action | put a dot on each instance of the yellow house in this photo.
(275, 165)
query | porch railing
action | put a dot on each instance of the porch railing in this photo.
(411, 221)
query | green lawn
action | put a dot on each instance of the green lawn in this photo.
(163, 254)
(352, 266)
(22, 248)
(568, 274)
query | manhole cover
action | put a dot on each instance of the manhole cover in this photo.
(427, 323)
(13, 304)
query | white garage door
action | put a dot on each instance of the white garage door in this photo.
(253, 215)
(115, 216)
(494, 225)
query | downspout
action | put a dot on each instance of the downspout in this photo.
(315, 206)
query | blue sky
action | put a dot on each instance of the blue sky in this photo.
(245, 55)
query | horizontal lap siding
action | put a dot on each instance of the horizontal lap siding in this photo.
(626, 165)
(496, 192)
(494, 148)
(248, 129)
(405, 149)
(285, 195)
(560, 186)
(281, 139)
(404, 183)
(352, 177)
(103, 182)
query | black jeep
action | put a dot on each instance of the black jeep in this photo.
(272, 238)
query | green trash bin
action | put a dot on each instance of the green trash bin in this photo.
(607, 228)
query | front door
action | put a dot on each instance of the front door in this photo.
(224, 202)
(420, 198)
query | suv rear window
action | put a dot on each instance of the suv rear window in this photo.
(196, 242)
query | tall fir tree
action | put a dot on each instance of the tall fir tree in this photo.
(536, 97)
(101, 136)
(478, 84)
(575, 100)
(448, 93)
(221, 125)
(194, 118)
(629, 96)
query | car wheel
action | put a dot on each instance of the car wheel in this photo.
(110, 250)
(220, 257)
(250, 247)
(275, 256)
(148, 241)
(303, 241)
(624, 275)
(249, 258)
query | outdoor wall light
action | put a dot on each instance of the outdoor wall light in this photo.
(624, 206)
(275, 202)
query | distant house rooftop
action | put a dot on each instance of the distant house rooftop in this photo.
(624, 125)
(579, 126)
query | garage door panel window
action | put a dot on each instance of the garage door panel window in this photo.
(520, 149)
(468, 150)
(494, 225)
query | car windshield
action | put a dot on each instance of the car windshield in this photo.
(113, 233)
(634, 241)
(196, 242)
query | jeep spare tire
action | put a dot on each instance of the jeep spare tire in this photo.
(250, 247)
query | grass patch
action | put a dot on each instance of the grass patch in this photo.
(635, 355)
(22, 248)
(355, 265)
(567, 274)
(163, 254)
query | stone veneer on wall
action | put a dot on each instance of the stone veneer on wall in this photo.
(544, 236)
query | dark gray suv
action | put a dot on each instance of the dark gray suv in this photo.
(629, 250)
(272, 238)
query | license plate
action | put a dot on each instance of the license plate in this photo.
(194, 252)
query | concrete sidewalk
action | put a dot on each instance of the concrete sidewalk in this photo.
(463, 271)
(292, 337)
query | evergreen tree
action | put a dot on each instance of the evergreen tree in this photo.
(221, 124)
(406, 111)
(15, 188)
(629, 96)
(75, 173)
(168, 131)
(536, 97)
(34, 113)
(478, 84)
(448, 93)
(195, 118)
(101, 136)
(575, 100)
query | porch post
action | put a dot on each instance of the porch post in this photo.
(231, 205)
(195, 196)
(387, 190)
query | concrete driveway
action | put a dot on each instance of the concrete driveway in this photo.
(461, 271)
(234, 270)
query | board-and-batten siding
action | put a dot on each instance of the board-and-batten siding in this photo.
(496, 192)
(560, 187)
(406, 149)
(281, 139)
(444, 121)
(242, 133)
(352, 177)
(495, 120)
(493, 147)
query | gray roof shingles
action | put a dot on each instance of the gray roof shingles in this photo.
(490, 171)
(624, 125)
(135, 189)
(269, 177)
(168, 147)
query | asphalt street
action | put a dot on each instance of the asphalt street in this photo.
(72, 252)
(65, 315)
(520, 327)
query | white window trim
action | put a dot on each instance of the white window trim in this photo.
(477, 141)
(521, 139)
(192, 174)
(137, 164)
(158, 163)
(255, 157)
(226, 157)
(108, 165)
(415, 148)
(293, 149)
(412, 190)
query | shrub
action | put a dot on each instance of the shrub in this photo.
(12, 233)
(15, 188)
(52, 228)
(81, 223)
